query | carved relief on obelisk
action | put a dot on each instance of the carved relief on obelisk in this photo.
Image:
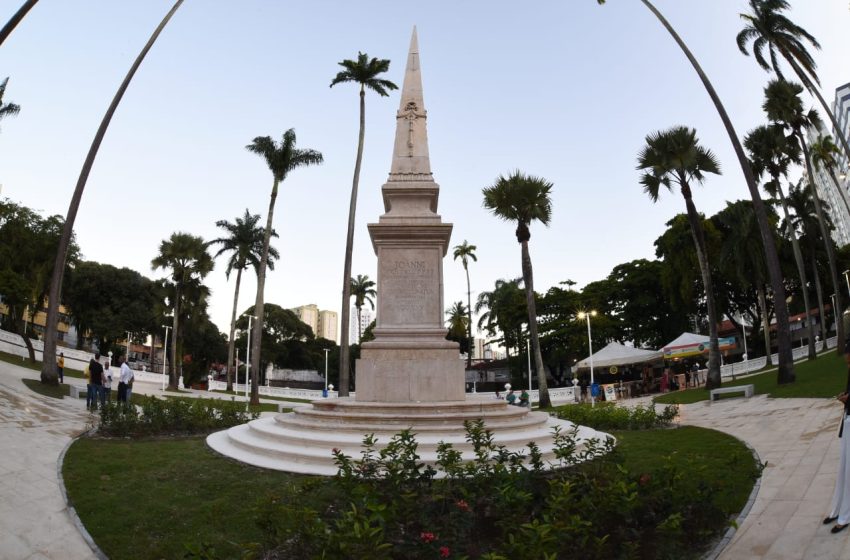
(410, 360)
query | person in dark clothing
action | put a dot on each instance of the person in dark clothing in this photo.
(96, 381)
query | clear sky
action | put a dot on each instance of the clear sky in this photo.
(565, 90)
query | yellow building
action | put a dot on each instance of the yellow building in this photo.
(36, 321)
(322, 322)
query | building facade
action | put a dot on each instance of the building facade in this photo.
(322, 322)
(356, 328)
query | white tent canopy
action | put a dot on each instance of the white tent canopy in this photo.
(687, 339)
(616, 354)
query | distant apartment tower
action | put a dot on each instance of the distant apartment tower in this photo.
(327, 327)
(322, 322)
(357, 328)
(838, 197)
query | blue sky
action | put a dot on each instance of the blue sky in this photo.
(565, 90)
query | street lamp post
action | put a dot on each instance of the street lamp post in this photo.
(835, 316)
(528, 351)
(587, 315)
(326, 370)
(164, 355)
(847, 278)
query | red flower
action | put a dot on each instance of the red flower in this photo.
(444, 552)
(644, 479)
(427, 537)
(462, 505)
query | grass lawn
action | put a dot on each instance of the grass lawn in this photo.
(285, 399)
(24, 362)
(154, 496)
(55, 391)
(823, 377)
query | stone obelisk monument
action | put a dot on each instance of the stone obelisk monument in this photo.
(410, 376)
(410, 359)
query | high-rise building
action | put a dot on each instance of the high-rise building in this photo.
(327, 327)
(355, 328)
(837, 196)
(322, 322)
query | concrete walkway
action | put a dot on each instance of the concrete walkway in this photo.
(796, 437)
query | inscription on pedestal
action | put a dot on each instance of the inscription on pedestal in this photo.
(409, 288)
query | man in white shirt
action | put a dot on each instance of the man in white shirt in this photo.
(125, 382)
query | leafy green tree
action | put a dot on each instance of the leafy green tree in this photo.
(7, 109)
(768, 28)
(772, 153)
(244, 242)
(365, 72)
(187, 259)
(27, 243)
(505, 311)
(464, 252)
(784, 106)
(284, 339)
(281, 159)
(363, 291)
(203, 346)
(107, 302)
(16, 19)
(48, 364)
(524, 199)
(783, 329)
(457, 321)
(674, 157)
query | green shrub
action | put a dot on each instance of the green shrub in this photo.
(608, 416)
(499, 505)
(152, 416)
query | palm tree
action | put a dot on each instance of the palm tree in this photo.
(281, 159)
(777, 284)
(16, 19)
(805, 222)
(48, 364)
(784, 106)
(768, 28)
(7, 109)
(824, 154)
(245, 243)
(363, 290)
(458, 320)
(187, 258)
(674, 157)
(465, 251)
(364, 72)
(771, 152)
(523, 199)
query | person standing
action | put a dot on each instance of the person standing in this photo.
(96, 381)
(840, 508)
(125, 381)
(60, 367)
(107, 381)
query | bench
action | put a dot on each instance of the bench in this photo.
(748, 391)
(76, 391)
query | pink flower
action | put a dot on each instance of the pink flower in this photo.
(427, 537)
(444, 552)
(462, 505)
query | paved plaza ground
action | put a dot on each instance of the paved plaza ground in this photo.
(796, 437)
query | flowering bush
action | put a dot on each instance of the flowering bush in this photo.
(499, 505)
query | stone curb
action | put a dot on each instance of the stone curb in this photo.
(724, 541)
(72, 512)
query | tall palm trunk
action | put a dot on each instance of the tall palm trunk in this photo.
(359, 324)
(830, 251)
(819, 292)
(174, 372)
(713, 379)
(231, 346)
(260, 304)
(528, 278)
(16, 19)
(801, 270)
(48, 364)
(469, 324)
(839, 132)
(344, 354)
(785, 372)
(765, 324)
